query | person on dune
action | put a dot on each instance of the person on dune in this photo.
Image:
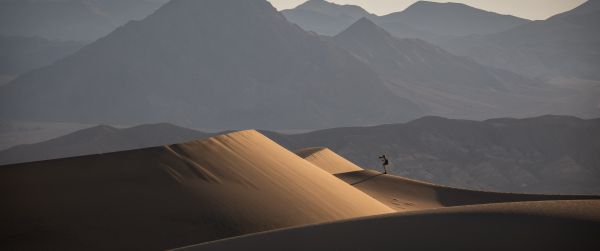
(385, 162)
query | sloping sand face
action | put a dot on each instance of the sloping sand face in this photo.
(171, 196)
(550, 225)
(327, 160)
(251, 170)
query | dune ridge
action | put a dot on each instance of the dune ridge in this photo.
(402, 194)
(327, 160)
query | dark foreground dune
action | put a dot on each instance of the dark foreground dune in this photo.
(549, 225)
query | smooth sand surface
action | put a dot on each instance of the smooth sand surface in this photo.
(171, 196)
(403, 194)
(549, 225)
(327, 160)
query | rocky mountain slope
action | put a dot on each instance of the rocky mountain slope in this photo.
(190, 65)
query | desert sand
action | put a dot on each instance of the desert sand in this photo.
(327, 160)
(170, 196)
(549, 225)
(404, 194)
(245, 187)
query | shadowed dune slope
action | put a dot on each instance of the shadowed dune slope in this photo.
(327, 160)
(403, 194)
(170, 196)
(550, 225)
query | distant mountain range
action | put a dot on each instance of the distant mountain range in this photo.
(442, 20)
(424, 20)
(444, 84)
(101, 139)
(189, 66)
(84, 20)
(21, 54)
(549, 154)
(566, 45)
(325, 18)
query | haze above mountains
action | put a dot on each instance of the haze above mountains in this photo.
(254, 69)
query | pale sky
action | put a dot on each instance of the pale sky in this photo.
(530, 9)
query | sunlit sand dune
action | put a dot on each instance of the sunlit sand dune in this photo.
(549, 225)
(171, 196)
(327, 160)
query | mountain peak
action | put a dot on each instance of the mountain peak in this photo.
(425, 5)
(311, 4)
(324, 17)
(365, 28)
(364, 23)
(193, 10)
(325, 7)
(450, 8)
(451, 19)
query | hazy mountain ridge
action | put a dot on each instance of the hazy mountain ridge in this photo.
(448, 85)
(324, 17)
(566, 45)
(99, 140)
(249, 68)
(84, 20)
(22, 54)
(430, 21)
(563, 46)
(549, 154)
(449, 20)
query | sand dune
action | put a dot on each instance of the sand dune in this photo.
(243, 183)
(327, 160)
(550, 225)
(403, 194)
(171, 196)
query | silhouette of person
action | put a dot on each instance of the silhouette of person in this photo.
(385, 162)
